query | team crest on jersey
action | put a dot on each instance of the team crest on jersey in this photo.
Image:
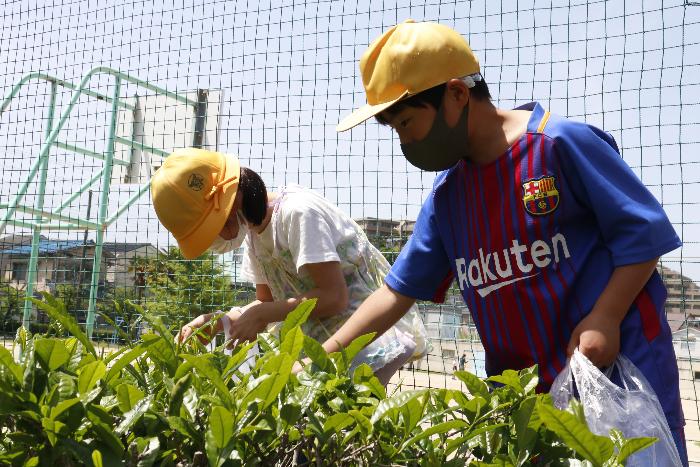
(540, 196)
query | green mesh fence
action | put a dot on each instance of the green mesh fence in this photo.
(268, 81)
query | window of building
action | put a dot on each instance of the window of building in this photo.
(19, 271)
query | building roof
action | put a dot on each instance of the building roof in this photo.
(121, 248)
(676, 320)
(686, 333)
(11, 241)
(46, 247)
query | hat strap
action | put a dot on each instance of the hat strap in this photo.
(217, 189)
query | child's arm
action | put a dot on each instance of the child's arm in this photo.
(246, 322)
(330, 290)
(378, 312)
(597, 336)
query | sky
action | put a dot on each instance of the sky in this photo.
(287, 72)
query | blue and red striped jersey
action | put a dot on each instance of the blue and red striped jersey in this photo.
(532, 240)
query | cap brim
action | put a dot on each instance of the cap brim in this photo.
(366, 112)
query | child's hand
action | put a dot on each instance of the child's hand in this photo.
(210, 328)
(246, 323)
(299, 365)
(598, 338)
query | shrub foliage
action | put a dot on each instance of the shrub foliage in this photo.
(158, 402)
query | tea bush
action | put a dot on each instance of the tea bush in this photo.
(158, 402)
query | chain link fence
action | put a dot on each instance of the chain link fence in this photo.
(95, 94)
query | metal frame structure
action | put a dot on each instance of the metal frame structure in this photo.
(40, 168)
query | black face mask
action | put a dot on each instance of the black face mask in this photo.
(442, 147)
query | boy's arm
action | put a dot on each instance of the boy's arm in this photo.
(378, 313)
(597, 336)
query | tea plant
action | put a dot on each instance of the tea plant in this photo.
(159, 402)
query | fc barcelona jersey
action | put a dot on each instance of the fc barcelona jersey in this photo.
(532, 239)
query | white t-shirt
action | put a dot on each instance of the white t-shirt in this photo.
(306, 225)
(305, 228)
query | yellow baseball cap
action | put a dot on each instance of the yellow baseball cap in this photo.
(407, 59)
(193, 192)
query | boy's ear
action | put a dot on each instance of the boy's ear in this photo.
(458, 91)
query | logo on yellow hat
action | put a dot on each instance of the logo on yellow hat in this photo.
(196, 182)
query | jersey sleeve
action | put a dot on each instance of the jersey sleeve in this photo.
(309, 234)
(632, 223)
(422, 269)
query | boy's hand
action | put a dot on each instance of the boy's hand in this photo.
(597, 337)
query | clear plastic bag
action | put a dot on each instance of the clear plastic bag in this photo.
(633, 408)
(412, 324)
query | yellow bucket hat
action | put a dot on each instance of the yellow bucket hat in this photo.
(407, 59)
(193, 192)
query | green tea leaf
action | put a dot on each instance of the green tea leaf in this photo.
(185, 428)
(529, 379)
(293, 342)
(62, 406)
(203, 364)
(337, 422)
(356, 346)
(123, 361)
(279, 367)
(132, 416)
(52, 428)
(412, 413)
(290, 413)
(362, 421)
(52, 353)
(89, 375)
(633, 445)
(128, 396)
(521, 420)
(149, 454)
(297, 317)
(178, 393)
(364, 375)
(56, 310)
(509, 378)
(220, 426)
(96, 458)
(617, 437)
(22, 337)
(237, 359)
(161, 350)
(305, 395)
(317, 354)
(394, 402)
(576, 435)
(440, 428)
(475, 385)
(219, 433)
(104, 432)
(454, 443)
(7, 360)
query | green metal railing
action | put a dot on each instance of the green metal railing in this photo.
(40, 168)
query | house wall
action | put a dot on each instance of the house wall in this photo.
(119, 273)
(54, 270)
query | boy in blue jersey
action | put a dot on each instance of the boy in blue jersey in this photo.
(550, 236)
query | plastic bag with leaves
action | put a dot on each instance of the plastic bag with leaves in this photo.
(632, 408)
